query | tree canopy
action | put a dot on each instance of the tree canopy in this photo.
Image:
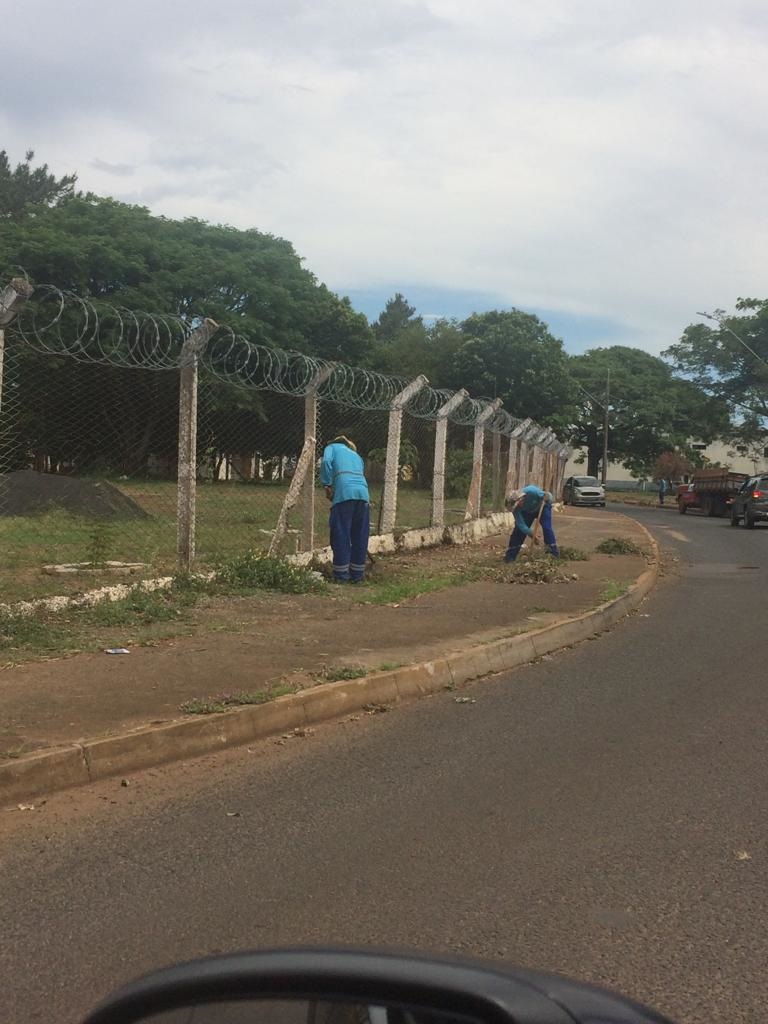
(730, 361)
(25, 187)
(513, 356)
(397, 315)
(651, 411)
(249, 280)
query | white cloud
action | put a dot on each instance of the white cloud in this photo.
(603, 159)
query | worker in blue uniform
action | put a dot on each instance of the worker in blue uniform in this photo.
(526, 505)
(342, 473)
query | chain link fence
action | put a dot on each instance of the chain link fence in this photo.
(134, 443)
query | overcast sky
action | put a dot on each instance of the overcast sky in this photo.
(599, 162)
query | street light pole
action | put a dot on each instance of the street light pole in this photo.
(605, 428)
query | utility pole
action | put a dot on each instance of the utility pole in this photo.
(605, 428)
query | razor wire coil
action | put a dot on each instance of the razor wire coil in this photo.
(60, 322)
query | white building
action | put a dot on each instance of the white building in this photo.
(740, 458)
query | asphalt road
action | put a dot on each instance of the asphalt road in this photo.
(601, 813)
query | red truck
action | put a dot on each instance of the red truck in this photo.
(712, 490)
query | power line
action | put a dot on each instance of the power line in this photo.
(720, 319)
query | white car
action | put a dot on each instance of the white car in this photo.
(583, 490)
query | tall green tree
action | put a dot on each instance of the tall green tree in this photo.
(24, 188)
(729, 360)
(651, 411)
(397, 315)
(512, 355)
(251, 281)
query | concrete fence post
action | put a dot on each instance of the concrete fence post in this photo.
(186, 493)
(474, 499)
(563, 455)
(496, 470)
(522, 470)
(12, 300)
(550, 469)
(303, 466)
(392, 466)
(310, 431)
(544, 445)
(537, 453)
(549, 464)
(513, 464)
(441, 441)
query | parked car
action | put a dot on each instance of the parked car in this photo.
(751, 502)
(583, 490)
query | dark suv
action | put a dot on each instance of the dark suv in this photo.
(751, 502)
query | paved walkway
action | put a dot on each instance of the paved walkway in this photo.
(256, 643)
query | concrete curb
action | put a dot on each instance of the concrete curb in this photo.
(94, 760)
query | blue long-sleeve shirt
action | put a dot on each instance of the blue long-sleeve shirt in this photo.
(343, 470)
(529, 506)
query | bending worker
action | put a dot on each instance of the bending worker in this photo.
(342, 475)
(526, 504)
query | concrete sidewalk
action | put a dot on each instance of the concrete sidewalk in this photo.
(71, 720)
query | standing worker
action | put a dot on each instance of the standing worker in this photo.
(342, 475)
(530, 504)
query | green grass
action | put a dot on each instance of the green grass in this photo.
(395, 591)
(126, 622)
(225, 701)
(342, 672)
(140, 607)
(36, 635)
(256, 571)
(573, 555)
(230, 517)
(613, 589)
(618, 546)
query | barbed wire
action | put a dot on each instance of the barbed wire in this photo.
(60, 322)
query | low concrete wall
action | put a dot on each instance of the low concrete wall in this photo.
(415, 540)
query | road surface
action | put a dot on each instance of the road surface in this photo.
(601, 813)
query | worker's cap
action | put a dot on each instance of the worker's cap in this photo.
(341, 439)
(514, 497)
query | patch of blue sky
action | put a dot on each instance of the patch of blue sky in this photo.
(578, 332)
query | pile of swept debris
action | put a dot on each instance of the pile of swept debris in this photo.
(540, 569)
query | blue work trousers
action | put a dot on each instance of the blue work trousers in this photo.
(517, 538)
(350, 527)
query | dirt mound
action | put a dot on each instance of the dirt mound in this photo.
(27, 493)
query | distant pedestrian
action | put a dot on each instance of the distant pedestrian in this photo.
(529, 504)
(343, 475)
(663, 488)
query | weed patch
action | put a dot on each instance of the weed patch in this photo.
(612, 590)
(573, 555)
(32, 633)
(140, 607)
(255, 571)
(336, 675)
(225, 701)
(397, 591)
(618, 546)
